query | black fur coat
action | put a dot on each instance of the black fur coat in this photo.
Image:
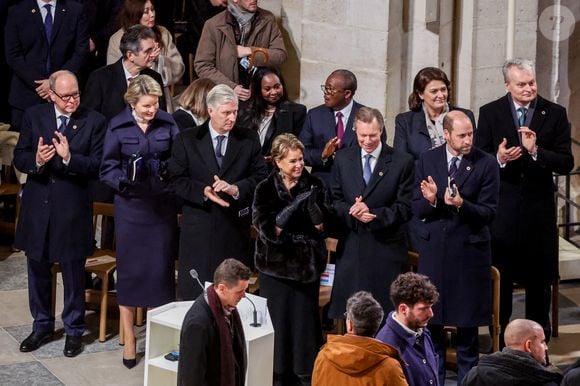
(299, 252)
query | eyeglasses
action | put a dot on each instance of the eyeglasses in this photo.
(67, 98)
(328, 90)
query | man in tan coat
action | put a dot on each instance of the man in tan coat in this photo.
(357, 358)
(235, 41)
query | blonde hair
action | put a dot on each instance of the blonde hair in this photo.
(193, 98)
(283, 143)
(142, 85)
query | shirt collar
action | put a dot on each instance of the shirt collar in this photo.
(375, 153)
(517, 106)
(58, 113)
(346, 110)
(214, 133)
(450, 156)
(416, 334)
(41, 4)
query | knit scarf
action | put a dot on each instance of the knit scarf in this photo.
(232, 348)
(244, 19)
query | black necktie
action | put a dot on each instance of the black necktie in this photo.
(62, 126)
(218, 150)
(48, 30)
(453, 167)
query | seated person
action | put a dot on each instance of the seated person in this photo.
(212, 345)
(521, 362)
(357, 358)
(413, 295)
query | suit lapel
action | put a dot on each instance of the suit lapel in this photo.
(36, 17)
(420, 125)
(75, 124)
(233, 148)
(381, 169)
(59, 16)
(463, 171)
(507, 109)
(540, 114)
(205, 148)
(349, 136)
(355, 169)
(49, 124)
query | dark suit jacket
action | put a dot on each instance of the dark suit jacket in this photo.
(56, 213)
(455, 245)
(288, 118)
(411, 133)
(107, 86)
(524, 230)
(210, 233)
(371, 255)
(183, 119)
(27, 47)
(319, 128)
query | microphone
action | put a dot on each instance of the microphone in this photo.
(195, 275)
(255, 323)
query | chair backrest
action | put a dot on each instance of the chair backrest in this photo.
(103, 213)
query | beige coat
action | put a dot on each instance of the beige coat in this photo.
(169, 64)
(216, 57)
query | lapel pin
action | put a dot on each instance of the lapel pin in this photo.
(468, 168)
(33, 10)
(74, 127)
(543, 112)
(381, 174)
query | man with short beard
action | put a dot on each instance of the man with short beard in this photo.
(413, 296)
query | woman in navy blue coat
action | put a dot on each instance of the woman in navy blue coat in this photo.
(137, 146)
(421, 128)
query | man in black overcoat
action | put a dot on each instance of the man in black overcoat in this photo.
(530, 137)
(60, 149)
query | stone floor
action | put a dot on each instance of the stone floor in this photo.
(100, 363)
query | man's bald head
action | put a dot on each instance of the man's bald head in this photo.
(528, 336)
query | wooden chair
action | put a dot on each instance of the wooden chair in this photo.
(413, 260)
(99, 263)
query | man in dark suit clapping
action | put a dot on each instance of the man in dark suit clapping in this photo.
(60, 149)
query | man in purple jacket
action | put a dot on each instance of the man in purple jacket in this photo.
(413, 295)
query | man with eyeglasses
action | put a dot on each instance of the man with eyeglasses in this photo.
(328, 127)
(41, 37)
(413, 296)
(60, 149)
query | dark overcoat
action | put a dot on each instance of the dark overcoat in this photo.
(371, 255)
(209, 232)
(455, 244)
(524, 230)
(288, 118)
(27, 47)
(411, 133)
(56, 212)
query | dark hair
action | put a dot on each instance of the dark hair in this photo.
(131, 39)
(230, 272)
(422, 79)
(365, 313)
(131, 13)
(350, 82)
(256, 106)
(410, 288)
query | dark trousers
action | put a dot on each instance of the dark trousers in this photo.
(40, 296)
(537, 302)
(466, 344)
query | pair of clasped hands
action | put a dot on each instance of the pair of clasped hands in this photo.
(59, 145)
(211, 192)
(505, 154)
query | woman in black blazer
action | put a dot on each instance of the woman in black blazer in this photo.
(422, 128)
(192, 110)
(268, 111)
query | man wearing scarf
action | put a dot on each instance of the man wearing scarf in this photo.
(237, 40)
(212, 345)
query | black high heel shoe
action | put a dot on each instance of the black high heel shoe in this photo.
(130, 363)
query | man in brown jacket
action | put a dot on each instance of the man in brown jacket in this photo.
(357, 358)
(235, 41)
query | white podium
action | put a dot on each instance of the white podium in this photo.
(163, 333)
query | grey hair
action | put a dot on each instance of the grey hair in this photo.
(131, 39)
(55, 75)
(219, 95)
(522, 64)
(365, 313)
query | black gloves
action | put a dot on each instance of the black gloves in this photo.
(284, 216)
(313, 209)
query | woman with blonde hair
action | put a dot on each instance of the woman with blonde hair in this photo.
(192, 110)
(137, 147)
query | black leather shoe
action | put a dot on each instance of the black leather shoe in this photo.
(130, 363)
(35, 340)
(73, 346)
